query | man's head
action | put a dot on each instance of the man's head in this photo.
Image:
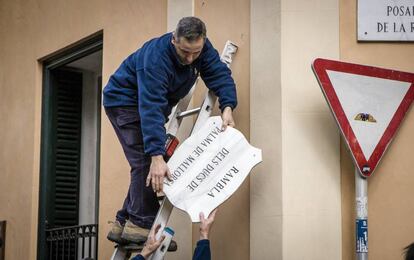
(189, 38)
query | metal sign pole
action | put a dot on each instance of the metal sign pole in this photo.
(361, 223)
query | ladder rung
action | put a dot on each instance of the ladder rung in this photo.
(188, 112)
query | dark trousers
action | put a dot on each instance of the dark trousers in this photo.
(141, 204)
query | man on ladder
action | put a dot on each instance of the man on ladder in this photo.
(138, 100)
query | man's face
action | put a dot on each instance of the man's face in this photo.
(188, 51)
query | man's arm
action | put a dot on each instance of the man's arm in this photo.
(152, 102)
(202, 251)
(206, 224)
(217, 77)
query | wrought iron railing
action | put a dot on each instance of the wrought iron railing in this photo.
(71, 243)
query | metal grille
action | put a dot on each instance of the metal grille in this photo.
(75, 242)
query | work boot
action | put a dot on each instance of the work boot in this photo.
(134, 233)
(115, 233)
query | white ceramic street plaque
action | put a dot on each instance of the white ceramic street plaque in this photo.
(208, 168)
(385, 20)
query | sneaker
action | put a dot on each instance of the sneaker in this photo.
(115, 233)
(134, 233)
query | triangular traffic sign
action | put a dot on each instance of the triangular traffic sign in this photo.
(368, 104)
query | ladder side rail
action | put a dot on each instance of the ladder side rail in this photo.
(120, 253)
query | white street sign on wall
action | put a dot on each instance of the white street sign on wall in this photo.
(386, 20)
(208, 168)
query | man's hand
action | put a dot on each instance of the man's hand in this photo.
(205, 224)
(152, 244)
(158, 170)
(227, 117)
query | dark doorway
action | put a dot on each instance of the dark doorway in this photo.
(69, 172)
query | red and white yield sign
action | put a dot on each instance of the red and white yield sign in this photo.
(368, 103)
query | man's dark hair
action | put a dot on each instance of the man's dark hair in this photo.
(191, 28)
(409, 252)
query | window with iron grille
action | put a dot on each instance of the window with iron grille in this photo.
(69, 172)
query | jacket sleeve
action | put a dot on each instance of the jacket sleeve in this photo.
(202, 251)
(217, 77)
(152, 102)
(138, 257)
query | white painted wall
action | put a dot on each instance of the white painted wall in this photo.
(310, 139)
(295, 196)
(178, 9)
(265, 130)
